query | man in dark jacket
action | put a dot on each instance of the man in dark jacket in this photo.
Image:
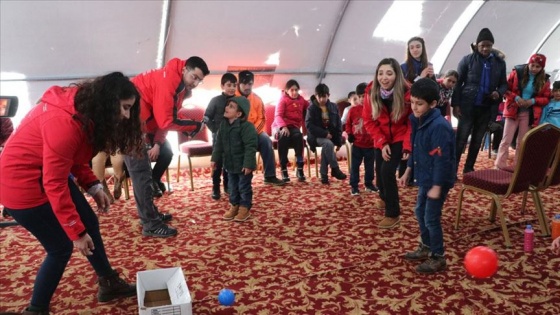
(480, 87)
(324, 129)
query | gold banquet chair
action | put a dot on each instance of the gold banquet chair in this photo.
(536, 153)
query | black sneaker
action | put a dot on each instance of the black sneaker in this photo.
(435, 264)
(216, 193)
(324, 179)
(162, 232)
(165, 217)
(161, 186)
(421, 253)
(355, 192)
(336, 173)
(300, 175)
(285, 176)
(371, 188)
(274, 181)
(156, 190)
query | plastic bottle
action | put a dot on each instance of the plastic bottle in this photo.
(529, 239)
(556, 227)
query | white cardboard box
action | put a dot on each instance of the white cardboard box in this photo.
(163, 292)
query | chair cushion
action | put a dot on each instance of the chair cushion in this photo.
(196, 148)
(495, 181)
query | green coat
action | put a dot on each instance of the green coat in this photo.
(237, 144)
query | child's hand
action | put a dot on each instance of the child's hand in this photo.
(404, 178)
(434, 192)
(246, 171)
(556, 245)
(405, 156)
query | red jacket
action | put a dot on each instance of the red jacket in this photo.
(49, 144)
(162, 92)
(355, 126)
(541, 97)
(384, 130)
(290, 112)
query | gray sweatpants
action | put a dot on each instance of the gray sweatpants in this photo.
(140, 170)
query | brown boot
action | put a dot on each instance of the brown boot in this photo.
(112, 287)
(380, 204)
(232, 212)
(117, 189)
(243, 214)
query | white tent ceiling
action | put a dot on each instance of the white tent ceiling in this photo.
(338, 42)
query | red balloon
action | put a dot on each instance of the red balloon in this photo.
(481, 262)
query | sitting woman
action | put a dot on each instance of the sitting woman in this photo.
(288, 119)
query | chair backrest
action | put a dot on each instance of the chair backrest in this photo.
(553, 178)
(341, 106)
(536, 154)
(269, 111)
(194, 113)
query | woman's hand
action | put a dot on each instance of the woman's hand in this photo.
(386, 152)
(102, 201)
(285, 131)
(153, 153)
(85, 245)
(405, 156)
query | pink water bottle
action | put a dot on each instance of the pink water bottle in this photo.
(529, 239)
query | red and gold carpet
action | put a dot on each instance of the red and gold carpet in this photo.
(307, 249)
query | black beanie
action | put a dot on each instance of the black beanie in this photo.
(485, 34)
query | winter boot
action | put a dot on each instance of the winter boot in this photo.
(299, 173)
(243, 214)
(336, 173)
(285, 176)
(216, 192)
(324, 179)
(232, 212)
(112, 287)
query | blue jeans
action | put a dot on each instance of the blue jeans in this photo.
(387, 179)
(368, 156)
(240, 190)
(267, 153)
(44, 225)
(428, 214)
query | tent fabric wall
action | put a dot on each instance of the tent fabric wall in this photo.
(45, 43)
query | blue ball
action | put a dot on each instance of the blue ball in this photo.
(226, 297)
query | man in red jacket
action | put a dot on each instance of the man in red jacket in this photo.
(162, 93)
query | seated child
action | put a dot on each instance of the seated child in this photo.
(551, 112)
(236, 148)
(324, 129)
(433, 158)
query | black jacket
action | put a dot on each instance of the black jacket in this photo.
(314, 124)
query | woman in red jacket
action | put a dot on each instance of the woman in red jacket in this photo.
(50, 149)
(385, 114)
(528, 92)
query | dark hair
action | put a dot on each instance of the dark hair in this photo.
(426, 89)
(197, 62)
(556, 85)
(451, 73)
(410, 75)
(538, 83)
(99, 102)
(291, 83)
(361, 88)
(229, 77)
(352, 93)
(322, 90)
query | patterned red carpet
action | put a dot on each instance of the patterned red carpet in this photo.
(308, 249)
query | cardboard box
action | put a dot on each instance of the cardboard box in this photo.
(163, 292)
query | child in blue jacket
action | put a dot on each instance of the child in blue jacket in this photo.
(433, 157)
(551, 112)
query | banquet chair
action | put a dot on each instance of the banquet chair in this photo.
(535, 156)
(197, 146)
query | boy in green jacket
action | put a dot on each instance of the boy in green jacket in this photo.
(236, 144)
